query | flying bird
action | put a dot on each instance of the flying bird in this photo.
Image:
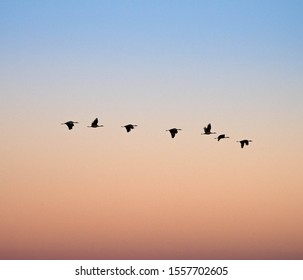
(221, 136)
(207, 130)
(70, 124)
(244, 142)
(173, 131)
(129, 127)
(95, 124)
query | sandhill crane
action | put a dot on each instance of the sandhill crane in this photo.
(129, 127)
(173, 131)
(207, 130)
(70, 124)
(95, 124)
(221, 136)
(244, 142)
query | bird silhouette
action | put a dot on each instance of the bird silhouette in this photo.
(129, 127)
(173, 131)
(70, 124)
(221, 136)
(244, 142)
(95, 124)
(207, 130)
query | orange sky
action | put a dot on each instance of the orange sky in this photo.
(105, 194)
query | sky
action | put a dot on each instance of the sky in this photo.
(103, 193)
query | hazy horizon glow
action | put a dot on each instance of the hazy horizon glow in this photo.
(107, 194)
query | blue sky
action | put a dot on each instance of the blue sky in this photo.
(174, 59)
(190, 39)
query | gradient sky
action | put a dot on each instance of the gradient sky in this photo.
(105, 194)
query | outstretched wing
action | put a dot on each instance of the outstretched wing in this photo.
(207, 128)
(221, 137)
(95, 122)
(70, 125)
(128, 127)
(173, 132)
(242, 144)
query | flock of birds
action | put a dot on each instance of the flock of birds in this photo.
(173, 131)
